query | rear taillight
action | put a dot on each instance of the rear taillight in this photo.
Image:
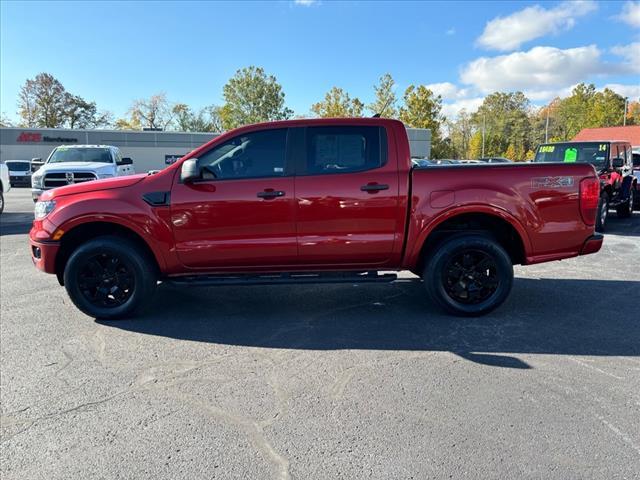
(589, 197)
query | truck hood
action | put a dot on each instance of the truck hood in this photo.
(76, 166)
(92, 186)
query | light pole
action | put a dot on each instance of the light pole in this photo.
(624, 117)
(484, 126)
(546, 127)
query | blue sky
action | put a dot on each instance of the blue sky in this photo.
(113, 53)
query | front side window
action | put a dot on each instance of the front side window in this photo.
(75, 154)
(344, 149)
(252, 155)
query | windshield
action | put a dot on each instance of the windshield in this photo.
(75, 154)
(18, 166)
(595, 153)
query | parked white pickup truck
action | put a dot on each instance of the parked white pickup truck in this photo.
(5, 184)
(69, 164)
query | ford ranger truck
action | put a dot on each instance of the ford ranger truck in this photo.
(70, 164)
(313, 201)
(613, 161)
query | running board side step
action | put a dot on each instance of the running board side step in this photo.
(282, 278)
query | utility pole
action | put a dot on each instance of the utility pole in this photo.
(624, 117)
(546, 127)
(484, 126)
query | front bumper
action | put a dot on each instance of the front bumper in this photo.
(35, 193)
(43, 255)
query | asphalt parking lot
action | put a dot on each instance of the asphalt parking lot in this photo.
(324, 381)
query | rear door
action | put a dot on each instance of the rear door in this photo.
(347, 202)
(241, 213)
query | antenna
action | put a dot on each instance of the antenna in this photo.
(379, 114)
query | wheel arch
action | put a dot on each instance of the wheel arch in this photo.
(506, 230)
(83, 232)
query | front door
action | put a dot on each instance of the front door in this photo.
(347, 197)
(241, 213)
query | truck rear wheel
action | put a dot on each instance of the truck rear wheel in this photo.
(109, 277)
(469, 275)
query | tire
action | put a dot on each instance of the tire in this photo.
(1, 202)
(110, 277)
(485, 280)
(626, 209)
(603, 213)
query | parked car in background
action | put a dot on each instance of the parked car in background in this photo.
(19, 172)
(425, 162)
(313, 201)
(469, 162)
(68, 165)
(636, 172)
(494, 160)
(613, 163)
(5, 184)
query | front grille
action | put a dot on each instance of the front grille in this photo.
(53, 180)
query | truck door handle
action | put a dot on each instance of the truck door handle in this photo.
(271, 194)
(374, 187)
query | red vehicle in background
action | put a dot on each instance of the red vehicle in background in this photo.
(613, 162)
(308, 201)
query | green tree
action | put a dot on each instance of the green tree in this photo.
(606, 109)
(79, 113)
(204, 120)
(573, 112)
(252, 96)
(42, 102)
(460, 133)
(504, 117)
(422, 109)
(385, 103)
(153, 112)
(475, 145)
(337, 103)
(5, 121)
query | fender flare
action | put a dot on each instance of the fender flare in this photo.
(74, 222)
(490, 210)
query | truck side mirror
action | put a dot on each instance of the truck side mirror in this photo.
(618, 163)
(36, 163)
(190, 170)
(125, 161)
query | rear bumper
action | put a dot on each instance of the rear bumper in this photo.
(592, 244)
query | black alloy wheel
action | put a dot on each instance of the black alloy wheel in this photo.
(471, 277)
(106, 280)
(110, 277)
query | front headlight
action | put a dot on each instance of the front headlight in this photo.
(36, 180)
(105, 175)
(42, 209)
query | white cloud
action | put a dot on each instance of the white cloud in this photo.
(448, 91)
(508, 33)
(451, 110)
(451, 31)
(631, 55)
(631, 91)
(541, 68)
(305, 3)
(630, 14)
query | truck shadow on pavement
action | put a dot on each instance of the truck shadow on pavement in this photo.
(15, 223)
(542, 316)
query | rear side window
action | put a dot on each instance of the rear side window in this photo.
(344, 149)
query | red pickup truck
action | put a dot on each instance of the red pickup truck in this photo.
(304, 201)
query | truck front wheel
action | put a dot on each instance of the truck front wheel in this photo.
(469, 275)
(603, 213)
(109, 277)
